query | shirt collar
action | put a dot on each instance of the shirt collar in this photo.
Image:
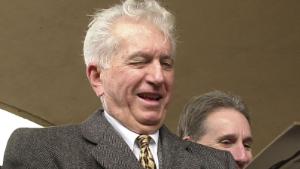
(128, 135)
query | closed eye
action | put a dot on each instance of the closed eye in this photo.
(248, 146)
(248, 143)
(227, 140)
(138, 61)
(167, 63)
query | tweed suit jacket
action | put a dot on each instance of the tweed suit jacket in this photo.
(94, 144)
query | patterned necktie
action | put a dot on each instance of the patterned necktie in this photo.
(146, 158)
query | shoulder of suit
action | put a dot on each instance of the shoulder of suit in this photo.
(203, 150)
(47, 133)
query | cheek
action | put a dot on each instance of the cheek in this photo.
(131, 80)
(127, 86)
(170, 80)
(230, 148)
(222, 147)
(123, 77)
(249, 153)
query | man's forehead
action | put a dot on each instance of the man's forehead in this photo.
(227, 122)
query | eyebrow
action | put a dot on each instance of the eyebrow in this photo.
(227, 136)
(249, 139)
(145, 54)
(136, 54)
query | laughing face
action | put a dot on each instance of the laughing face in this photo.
(136, 88)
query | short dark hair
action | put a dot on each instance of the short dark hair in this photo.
(197, 109)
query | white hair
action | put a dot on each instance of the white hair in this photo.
(100, 44)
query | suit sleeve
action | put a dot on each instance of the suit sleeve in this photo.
(26, 149)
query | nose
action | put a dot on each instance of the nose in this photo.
(242, 156)
(155, 74)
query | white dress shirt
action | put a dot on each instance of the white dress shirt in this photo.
(130, 138)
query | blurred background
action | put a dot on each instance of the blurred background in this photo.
(250, 48)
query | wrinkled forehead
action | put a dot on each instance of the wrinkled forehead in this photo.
(228, 120)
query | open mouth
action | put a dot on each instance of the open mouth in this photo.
(150, 96)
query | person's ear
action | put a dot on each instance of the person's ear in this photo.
(187, 138)
(93, 73)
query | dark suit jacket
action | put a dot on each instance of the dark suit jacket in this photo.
(94, 144)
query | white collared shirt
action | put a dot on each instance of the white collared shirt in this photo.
(130, 138)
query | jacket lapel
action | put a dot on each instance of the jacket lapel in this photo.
(172, 151)
(108, 149)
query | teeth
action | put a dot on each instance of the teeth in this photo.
(150, 96)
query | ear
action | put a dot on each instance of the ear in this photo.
(93, 73)
(187, 138)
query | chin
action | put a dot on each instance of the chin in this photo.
(151, 121)
(149, 128)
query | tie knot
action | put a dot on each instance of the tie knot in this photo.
(143, 140)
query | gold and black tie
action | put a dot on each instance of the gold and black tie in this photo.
(146, 158)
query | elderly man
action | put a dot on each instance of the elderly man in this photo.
(129, 55)
(221, 121)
